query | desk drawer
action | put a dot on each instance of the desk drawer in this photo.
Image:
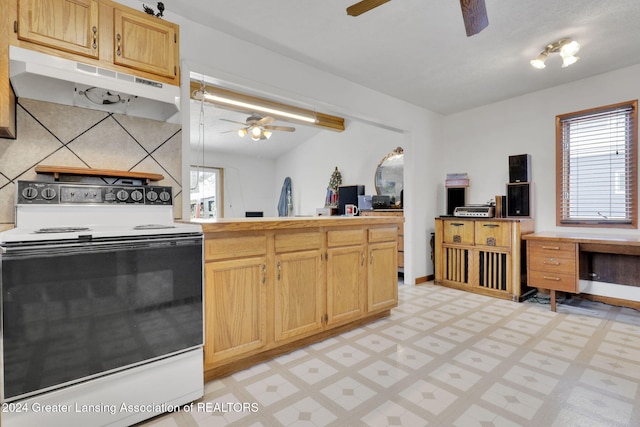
(558, 282)
(552, 265)
(551, 249)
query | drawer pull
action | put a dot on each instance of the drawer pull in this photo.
(94, 45)
(457, 224)
(553, 248)
(551, 262)
(491, 225)
(557, 279)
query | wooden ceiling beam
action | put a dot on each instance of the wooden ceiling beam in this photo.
(324, 121)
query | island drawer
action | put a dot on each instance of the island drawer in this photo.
(386, 234)
(234, 247)
(298, 241)
(346, 237)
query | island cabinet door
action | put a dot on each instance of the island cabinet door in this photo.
(346, 290)
(299, 294)
(235, 307)
(382, 276)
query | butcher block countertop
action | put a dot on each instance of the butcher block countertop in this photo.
(286, 223)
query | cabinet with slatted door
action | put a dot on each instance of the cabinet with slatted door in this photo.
(482, 255)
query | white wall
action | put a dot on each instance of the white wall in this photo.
(479, 142)
(356, 152)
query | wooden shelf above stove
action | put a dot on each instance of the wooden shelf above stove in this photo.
(65, 170)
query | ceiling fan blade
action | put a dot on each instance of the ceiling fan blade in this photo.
(233, 121)
(474, 13)
(364, 6)
(282, 128)
(265, 120)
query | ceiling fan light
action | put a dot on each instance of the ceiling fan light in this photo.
(256, 131)
(267, 134)
(539, 61)
(569, 49)
(568, 60)
(242, 133)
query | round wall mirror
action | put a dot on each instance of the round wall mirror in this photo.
(389, 175)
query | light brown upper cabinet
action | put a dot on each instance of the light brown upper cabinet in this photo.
(145, 44)
(100, 33)
(67, 25)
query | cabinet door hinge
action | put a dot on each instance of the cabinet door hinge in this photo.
(15, 26)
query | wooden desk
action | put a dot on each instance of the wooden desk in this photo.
(557, 260)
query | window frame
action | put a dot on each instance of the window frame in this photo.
(219, 188)
(633, 172)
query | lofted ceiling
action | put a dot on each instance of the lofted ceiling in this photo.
(417, 50)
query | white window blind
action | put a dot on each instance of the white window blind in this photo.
(597, 167)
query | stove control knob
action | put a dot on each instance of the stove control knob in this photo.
(165, 196)
(136, 195)
(152, 196)
(122, 195)
(29, 193)
(48, 193)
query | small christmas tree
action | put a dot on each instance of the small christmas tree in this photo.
(332, 189)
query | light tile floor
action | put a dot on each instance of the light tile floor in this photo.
(445, 358)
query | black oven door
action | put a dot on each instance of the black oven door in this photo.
(76, 310)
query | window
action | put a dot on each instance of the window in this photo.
(596, 160)
(206, 192)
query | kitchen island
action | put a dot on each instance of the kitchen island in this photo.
(273, 285)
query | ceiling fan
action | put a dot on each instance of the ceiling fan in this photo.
(474, 13)
(258, 128)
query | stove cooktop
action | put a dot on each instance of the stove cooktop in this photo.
(47, 211)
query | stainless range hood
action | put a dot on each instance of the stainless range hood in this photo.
(44, 77)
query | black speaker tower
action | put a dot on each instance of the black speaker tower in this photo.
(519, 199)
(520, 168)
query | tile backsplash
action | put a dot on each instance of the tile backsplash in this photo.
(60, 135)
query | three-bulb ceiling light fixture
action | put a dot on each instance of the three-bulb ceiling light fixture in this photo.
(256, 132)
(567, 49)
